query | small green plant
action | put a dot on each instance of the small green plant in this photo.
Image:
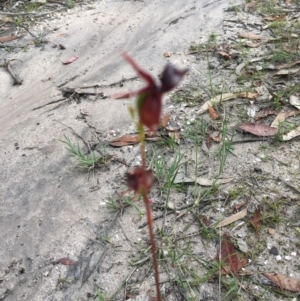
(274, 213)
(100, 296)
(226, 146)
(196, 130)
(212, 37)
(170, 142)
(70, 3)
(265, 158)
(18, 21)
(87, 161)
(121, 203)
(32, 6)
(37, 42)
(231, 287)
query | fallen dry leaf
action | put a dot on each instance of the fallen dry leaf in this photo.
(216, 139)
(7, 38)
(249, 95)
(290, 48)
(249, 36)
(284, 282)
(64, 261)
(295, 101)
(208, 182)
(259, 129)
(212, 112)
(228, 255)
(282, 116)
(181, 178)
(164, 121)
(71, 60)
(292, 134)
(205, 220)
(255, 220)
(279, 118)
(226, 269)
(250, 5)
(265, 112)
(286, 66)
(275, 18)
(291, 71)
(252, 45)
(208, 141)
(125, 140)
(230, 219)
(175, 136)
(216, 100)
(225, 55)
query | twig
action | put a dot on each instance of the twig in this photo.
(178, 209)
(24, 14)
(49, 103)
(249, 140)
(15, 77)
(87, 273)
(125, 235)
(122, 284)
(287, 184)
(123, 80)
(77, 135)
(27, 29)
(12, 46)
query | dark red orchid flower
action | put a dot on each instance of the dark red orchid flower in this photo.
(149, 101)
(135, 179)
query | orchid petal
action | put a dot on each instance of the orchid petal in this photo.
(145, 75)
(171, 77)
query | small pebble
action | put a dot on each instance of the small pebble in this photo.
(294, 254)
(278, 258)
(271, 231)
(287, 258)
(274, 251)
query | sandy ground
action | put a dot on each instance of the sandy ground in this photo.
(50, 209)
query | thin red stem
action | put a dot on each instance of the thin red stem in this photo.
(149, 214)
(153, 247)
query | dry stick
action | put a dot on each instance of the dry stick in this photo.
(49, 103)
(149, 213)
(122, 284)
(123, 80)
(25, 14)
(178, 209)
(15, 77)
(88, 272)
(77, 135)
(27, 29)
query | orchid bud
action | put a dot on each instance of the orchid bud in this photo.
(171, 77)
(139, 179)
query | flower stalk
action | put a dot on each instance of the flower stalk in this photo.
(149, 108)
